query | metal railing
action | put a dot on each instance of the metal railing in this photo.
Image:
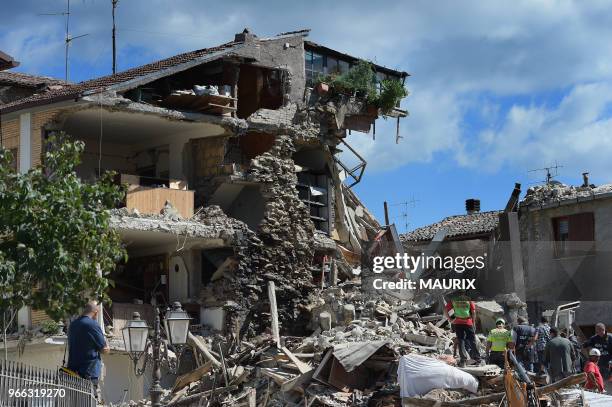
(22, 385)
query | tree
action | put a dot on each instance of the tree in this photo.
(56, 245)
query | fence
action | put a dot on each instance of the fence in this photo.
(29, 386)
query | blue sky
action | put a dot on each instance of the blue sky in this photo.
(497, 88)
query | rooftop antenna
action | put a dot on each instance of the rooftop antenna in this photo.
(551, 172)
(68, 39)
(407, 204)
(114, 3)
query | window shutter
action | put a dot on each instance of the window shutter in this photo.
(581, 227)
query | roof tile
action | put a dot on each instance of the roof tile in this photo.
(457, 226)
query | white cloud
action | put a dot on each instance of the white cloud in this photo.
(576, 134)
(455, 51)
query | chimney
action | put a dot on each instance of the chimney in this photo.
(585, 179)
(245, 36)
(472, 206)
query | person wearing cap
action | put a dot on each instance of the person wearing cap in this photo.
(594, 380)
(460, 311)
(602, 341)
(498, 341)
(559, 355)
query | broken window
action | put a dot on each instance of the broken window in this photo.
(313, 186)
(579, 227)
(319, 65)
(258, 88)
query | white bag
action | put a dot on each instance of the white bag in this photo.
(417, 375)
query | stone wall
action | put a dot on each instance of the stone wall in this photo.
(281, 250)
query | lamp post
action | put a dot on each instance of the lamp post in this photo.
(137, 343)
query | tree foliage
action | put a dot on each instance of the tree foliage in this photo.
(56, 244)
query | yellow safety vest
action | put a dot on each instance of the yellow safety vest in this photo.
(499, 338)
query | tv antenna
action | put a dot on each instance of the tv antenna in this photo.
(114, 3)
(68, 39)
(404, 214)
(551, 172)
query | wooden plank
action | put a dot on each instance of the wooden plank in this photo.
(302, 366)
(199, 344)
(274, 313)
(194, 375)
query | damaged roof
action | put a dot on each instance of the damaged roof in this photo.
(103, 83)
(7, 61)
(29, 81)
(458, 226)
(154, 69)
(557, 194)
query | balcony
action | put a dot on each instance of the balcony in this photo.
(149, 195)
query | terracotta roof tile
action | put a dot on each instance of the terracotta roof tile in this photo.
(104, 82)
(458, 226)
(28, 81)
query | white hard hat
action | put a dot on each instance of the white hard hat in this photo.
(594, 352)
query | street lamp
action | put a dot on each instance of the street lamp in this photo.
(135, 335)
(177, 324)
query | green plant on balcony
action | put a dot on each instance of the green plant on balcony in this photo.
(392, 92)
(361, 81)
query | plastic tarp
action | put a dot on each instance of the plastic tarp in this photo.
(417, 375)
(353, 354)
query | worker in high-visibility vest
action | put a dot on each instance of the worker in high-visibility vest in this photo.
(498, 342)
(460, 311)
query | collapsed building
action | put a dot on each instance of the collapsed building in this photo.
(232, 160)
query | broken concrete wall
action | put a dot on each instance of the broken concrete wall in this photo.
(281, 250)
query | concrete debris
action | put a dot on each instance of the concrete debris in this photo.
(555, 193)
(351, 359)
(208, 223)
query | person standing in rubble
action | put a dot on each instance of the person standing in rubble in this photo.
(543, 331)
(461, 313)
(524, 337)
(594, 378)
(559, 355)
(602, 341)
(498, 341)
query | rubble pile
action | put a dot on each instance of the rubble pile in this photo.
(350, 359)
(555, 192)
(358, 355)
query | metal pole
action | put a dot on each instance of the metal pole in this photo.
(114, 31)
(67, 39)
(386, 214)
(156, 390)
